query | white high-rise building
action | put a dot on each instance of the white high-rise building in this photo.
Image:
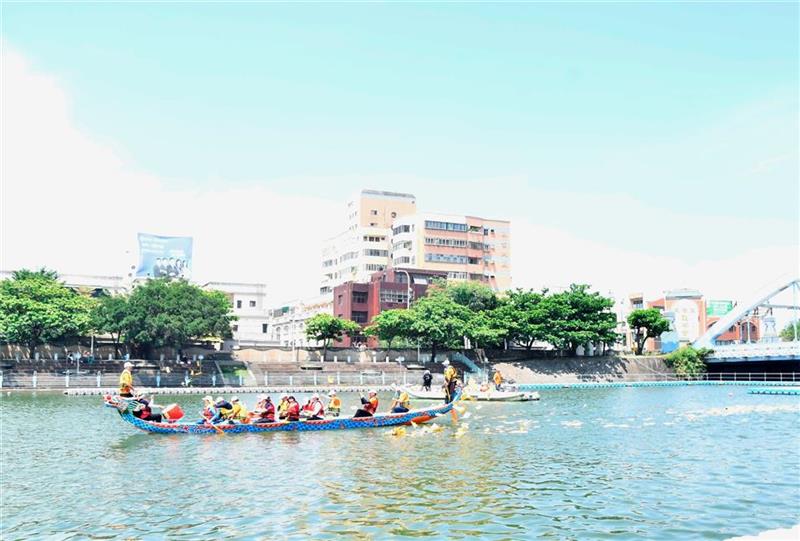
(363, 247)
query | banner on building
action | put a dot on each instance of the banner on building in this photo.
(718, 308)
(164, 257)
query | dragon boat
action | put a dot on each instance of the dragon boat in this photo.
(125, 407)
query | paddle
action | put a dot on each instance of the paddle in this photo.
(215, 427)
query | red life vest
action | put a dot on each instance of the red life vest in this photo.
(371, 405)
(293, 412)
(317, 409)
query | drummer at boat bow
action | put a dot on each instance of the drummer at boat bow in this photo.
(126, 381)
(368, 405)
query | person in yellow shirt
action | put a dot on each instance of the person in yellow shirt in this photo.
(126, 381)
(450, 381)
(283, 406)
(401, 403)
(498, 379)
(238, 411)
(335, 404)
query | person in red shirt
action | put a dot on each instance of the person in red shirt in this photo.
(368, 405)
(293, 412)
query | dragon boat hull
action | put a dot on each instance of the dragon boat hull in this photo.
(417, 416)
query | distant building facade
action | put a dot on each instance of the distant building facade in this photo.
(248, 304)
(363, 247)
(287, 323)
(386, 290)
(466, 248)
(690, 315)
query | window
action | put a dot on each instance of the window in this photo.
(401, 229)
(456, 275)
(397, 297)
(477, 277)
(402, 260)
(368, 238)
(252, 304)
(475, 228)
(394, 215)
(339, 300)
(376, 253)
(405, 245)
(474, 260)
(238, 304)
(264, 328)
(438, 241)
(373, 224)
(235, 328)
(478, 246)
(447, 258)
(349, 255)
(445, 226)
(373, 212)
(373, 267)
(359, 297)
(359, 317)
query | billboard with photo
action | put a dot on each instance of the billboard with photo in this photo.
(164, 257)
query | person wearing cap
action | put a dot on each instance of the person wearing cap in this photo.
(450, 380)
(224, 410)
(208, 411)
(400, 403)
(145, 410)
(126, 381)
(427, 379)
(265, 411)
(368, 405)
(292, 410)
(334, 404)
(238, 411)
(315, 411)
(283, 405)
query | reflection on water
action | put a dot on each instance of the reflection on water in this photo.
(671, 463)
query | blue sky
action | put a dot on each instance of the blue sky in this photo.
(587, 118)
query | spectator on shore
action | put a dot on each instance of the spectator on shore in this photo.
(427, 379)
(126, 381)
(368, 405)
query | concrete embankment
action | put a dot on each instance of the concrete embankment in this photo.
(576, 369)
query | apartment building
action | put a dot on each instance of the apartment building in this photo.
(248, 305)
(287, 323)
(464, 247)
(363, 247)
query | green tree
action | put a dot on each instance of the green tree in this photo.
(646, 323)
(523, 315)
(688, 361)
(474, 295)
(325, 327)
(108, 317)
(36, 308)
(162, 312)
(439, 321)
(392, 324)
(576, 317)
(789, 331)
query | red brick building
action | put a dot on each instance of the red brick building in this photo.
(386, 290)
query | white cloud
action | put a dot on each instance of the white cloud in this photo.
(69, 202)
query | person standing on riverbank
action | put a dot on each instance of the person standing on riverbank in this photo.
(126, 381)
(498, 379)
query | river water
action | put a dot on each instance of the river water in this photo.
(661, 463)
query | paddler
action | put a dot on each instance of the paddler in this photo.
(334, 404)
(368, 405)
(315, 411)
(498, 379)
(283, 406)
(292, 410)
(238, 411)
(401, 402)
(208, 412)
(224, 410)
(126, 381)
(450, 381)
(265, 411)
